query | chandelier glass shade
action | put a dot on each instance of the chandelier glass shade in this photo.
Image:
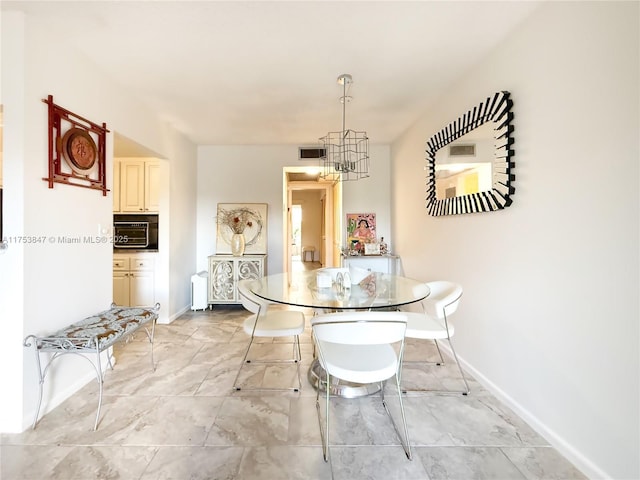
(346, 153)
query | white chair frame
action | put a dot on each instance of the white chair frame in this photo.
(262, 316)
(356, 325)
(446, 303)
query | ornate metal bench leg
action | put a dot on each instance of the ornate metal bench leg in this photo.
(34, 343)
(100, 379)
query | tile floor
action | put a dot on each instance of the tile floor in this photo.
(184, 421)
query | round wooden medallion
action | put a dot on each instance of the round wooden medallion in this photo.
(79, 150)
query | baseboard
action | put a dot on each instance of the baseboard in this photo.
(567, 450)
(175, 315)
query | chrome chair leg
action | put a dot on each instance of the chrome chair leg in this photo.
(403, 441)
(439, 353)
(324, 431)
(464, 379)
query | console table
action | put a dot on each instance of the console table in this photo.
(373, 263)
(226, 270)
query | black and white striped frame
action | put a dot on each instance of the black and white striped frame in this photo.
(496, 109)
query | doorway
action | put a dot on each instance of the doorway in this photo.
(311, 219)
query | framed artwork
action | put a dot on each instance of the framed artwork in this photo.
(250, 219)
(372, 249)
(361, 227)
(77, 149)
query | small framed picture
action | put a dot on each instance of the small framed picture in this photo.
(361, 227)
(372, 248)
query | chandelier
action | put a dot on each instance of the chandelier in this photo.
(346, 153)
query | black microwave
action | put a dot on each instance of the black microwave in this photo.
(139, 232)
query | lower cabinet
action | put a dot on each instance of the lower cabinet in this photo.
(134, 280)
(373, 263)
(225, 271)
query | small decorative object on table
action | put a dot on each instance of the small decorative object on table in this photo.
(384, 249)
(372, 249)
(237, 244)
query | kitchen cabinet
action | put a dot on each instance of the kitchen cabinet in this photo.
(134, 280)
(373, 263)
(225, 271)
(139, 186)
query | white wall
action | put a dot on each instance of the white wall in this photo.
(46, 286)
(372, 195)
(253, 174)
(549, 318)
(181, 221)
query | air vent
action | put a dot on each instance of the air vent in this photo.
(311, 153)
(462, 150)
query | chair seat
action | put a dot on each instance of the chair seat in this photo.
(421, 325)
(280, 323)
(360, 363)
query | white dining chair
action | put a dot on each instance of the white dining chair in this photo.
(358, 347)
(433, 322)
(267, 322)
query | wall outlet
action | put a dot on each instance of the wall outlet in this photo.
(105, 229)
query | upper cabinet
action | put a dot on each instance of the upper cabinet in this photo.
(139, 187)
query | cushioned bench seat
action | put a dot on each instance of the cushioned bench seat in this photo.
(101, 330)
(94, 334)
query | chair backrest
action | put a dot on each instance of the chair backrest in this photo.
(443, 299)
(249, 300)
(360, 328)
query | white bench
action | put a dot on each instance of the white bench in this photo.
(94, 334)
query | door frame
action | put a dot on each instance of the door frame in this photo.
(331, 216)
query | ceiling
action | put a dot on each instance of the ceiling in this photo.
(265, 72)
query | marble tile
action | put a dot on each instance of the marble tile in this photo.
(304, 428)
(185, 421)
(480, 421)
(373, 463)
(542, 463)
(217, 333)
(215, 353)
(74, 462)
(424, 426)
(360, 421)
(251, 421)
(284, 463)
(437, 378)
(167, 421)
(194, 463)
(469, 463)
(220, 376)
(179, 381)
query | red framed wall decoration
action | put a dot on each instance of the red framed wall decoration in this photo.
(76, 149)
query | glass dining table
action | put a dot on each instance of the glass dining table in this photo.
(377, 291)
(313, 289)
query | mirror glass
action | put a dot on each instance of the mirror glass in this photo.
(464, 166)
(470, 161)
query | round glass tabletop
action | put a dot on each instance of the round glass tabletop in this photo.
(303, 289)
